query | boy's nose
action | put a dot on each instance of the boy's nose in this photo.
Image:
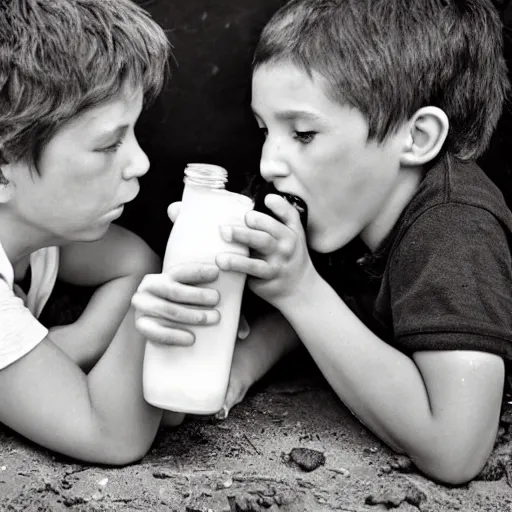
(138, 165)
(272, 164)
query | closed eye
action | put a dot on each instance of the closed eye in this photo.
(304, 137)
(113, 147)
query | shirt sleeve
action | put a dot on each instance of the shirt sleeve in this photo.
(20, 331)
(451, 283)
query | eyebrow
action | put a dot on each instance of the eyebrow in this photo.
(292, 115)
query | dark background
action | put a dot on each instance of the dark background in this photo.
(203, 114)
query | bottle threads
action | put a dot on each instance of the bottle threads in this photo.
(206, 175)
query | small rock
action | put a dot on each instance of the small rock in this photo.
(306, 458)
(66, 484)
(225, 485)
(506, 417)
(390, 498)
(103, 482)
(386, 469)
(393, 498)
(402, 464)
(162, 474)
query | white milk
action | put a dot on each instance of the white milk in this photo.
(195, 379)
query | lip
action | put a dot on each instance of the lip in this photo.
(129, 200)
(131, 197)
(125, 202)
(296, 201)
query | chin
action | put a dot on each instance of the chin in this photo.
(318, 245)
(325, 244)
(91, 234)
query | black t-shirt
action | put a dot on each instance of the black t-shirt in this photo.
(442, 279)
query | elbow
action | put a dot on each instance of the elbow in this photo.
(453, 466)
(123, 454)
(117, 449)
(125, 459)
(129, 452)
(452, 474)
(107, 453)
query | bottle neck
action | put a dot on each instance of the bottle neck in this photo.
(206, 175)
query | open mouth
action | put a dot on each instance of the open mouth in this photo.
(298, 203)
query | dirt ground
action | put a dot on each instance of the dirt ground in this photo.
(290, 446)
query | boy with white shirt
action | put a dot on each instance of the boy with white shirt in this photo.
(74, 76)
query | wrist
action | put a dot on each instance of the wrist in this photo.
(302, 295)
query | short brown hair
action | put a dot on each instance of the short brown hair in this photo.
(388, 58)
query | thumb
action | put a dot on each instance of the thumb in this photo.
(243, 328)
(174, 210)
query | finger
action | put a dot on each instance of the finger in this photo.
(282, 209)
(260, 241)
(174, 210)
(147, 304)
(193, 272)
(164, 287)
(243, 328)
(223, 413)
(263, 222)
(252, 266)
(235, 394)
(163, 332)
(185, 273)
(172, 419)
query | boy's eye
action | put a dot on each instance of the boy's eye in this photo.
(304, 137)
(113, 147)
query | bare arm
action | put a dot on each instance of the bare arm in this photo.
(108, 263)
(271, 338)
(101, 417)
(441, 408)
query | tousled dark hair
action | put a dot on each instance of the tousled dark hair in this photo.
(61, 57)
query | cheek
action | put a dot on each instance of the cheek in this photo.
(93, 173)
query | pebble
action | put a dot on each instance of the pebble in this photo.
(306, 458)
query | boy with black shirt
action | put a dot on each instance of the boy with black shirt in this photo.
(373, 113)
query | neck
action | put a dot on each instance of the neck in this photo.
(19, 240)
(405, 187)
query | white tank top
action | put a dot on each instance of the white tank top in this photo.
(44, 267)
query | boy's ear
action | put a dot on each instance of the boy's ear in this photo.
(427, 134)
(6, 186)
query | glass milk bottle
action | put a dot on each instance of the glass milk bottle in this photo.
(194, 379)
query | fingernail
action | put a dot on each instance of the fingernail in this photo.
(223, 413)
(227, 233)
(222, 261)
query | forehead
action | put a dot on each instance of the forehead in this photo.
(285, 85)
(122, 108)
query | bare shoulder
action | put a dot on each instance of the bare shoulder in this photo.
(120, 252)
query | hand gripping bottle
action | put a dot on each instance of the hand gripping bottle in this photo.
(195, 379)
